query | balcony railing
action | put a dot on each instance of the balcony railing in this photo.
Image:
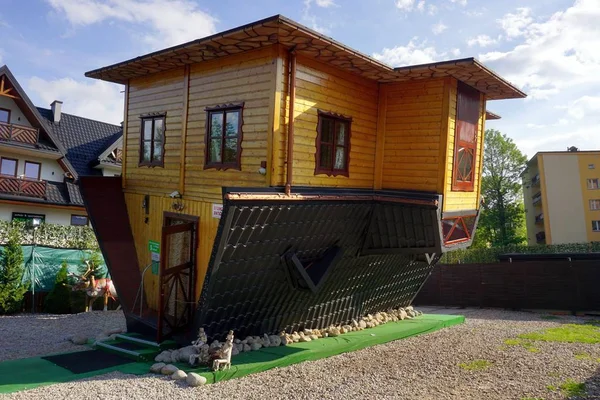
(539, 219)
(22, 186)
(537, 198)
(18, 133)
(535, 180)
(540, 236)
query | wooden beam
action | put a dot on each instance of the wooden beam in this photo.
(480, 147)
(274, 131)
(184, 118)
(124, 155)
(444, 133)
(5, 92)
(380, 141)
(44, 205)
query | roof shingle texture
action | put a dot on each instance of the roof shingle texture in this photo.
(84, 139)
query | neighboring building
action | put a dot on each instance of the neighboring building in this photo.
(43, 152)
(562, 197)
(285, 180)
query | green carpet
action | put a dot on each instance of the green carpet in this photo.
(29, 373)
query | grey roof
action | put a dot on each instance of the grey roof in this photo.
(84, 139)
(57, 193)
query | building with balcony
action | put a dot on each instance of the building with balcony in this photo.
(44, 151)
(562, 197)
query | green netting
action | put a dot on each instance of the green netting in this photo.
(29, 373)
(42, 263)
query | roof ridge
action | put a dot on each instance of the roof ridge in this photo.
(80, 117)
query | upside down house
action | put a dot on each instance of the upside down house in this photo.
(275, 179)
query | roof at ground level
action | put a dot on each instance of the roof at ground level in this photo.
(281, 30)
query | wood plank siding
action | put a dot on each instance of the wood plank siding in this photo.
(456, 200)
(413, 122)
(322, 87)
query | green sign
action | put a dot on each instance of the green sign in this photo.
(153, 246)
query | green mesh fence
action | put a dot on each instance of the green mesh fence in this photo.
(42, 263)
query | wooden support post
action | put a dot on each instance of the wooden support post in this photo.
(380, 141)
(125, 117)
(184, 118)
(444, 134)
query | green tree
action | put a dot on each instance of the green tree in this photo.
(502, 219)
(58, 301)
(12, 288)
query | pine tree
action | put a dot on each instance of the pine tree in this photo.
(58, 300)
(12, 288)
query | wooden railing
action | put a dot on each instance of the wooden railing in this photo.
(18, 133)
(22, 187)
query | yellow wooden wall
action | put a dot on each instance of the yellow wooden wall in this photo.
(161, 92)
(322, 87)
(143, 232)
(455, 200)
(247, 78)
(413, 139)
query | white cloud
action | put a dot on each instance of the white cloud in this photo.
(481, 41)
(438, 28)
(554, 55)
(311, 19)
(583, 107)
(461, 2)
(411, 54)
(98, 100)
(432, 9)
(405, 5)
(325, 3)
(455, 52)
(474, 13)
(163, 22)
(514, 24)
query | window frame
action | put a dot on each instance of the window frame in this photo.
(39, 174)
(9, 114)
(16, 160)
(337, 118)
(87, 219)
(222, 166)
(470, 93)
(597, 223)
(152, 162)
(591, 181)
(593, 201)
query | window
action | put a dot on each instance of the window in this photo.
(8, 166)
(333, 144)
(4, 115)
(593, 183)
(596, 226)
(79, 220)
(223, 136)
(595, 204)
(468, 108)
(591, 166)
(32, 170)
(152, 140)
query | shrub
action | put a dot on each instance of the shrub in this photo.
(12, 288)
(58, 301)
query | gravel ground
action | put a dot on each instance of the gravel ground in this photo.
(424, 367)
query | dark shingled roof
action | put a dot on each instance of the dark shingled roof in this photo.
(84, 139)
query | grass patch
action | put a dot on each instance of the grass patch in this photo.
(476, 365)
(586, 357)
(526, 344)
(569, 388)
(568, 333)
(549, 317)
(554, 374)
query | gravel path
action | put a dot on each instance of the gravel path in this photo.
(29, 335)
(424, 367)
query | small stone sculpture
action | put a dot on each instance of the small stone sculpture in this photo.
(224, 354)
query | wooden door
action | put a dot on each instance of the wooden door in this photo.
(177, 275)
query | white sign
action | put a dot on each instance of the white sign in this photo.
(155, 257)
(217, 210)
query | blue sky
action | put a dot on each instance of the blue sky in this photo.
(548, 48)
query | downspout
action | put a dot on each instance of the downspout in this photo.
(290, 132)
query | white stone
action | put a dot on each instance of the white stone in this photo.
(275, 340)
(255, 346)
(193, 379)
(168, 369)
(156, 368)
(79, 339)
(234, 350)
(247, 347)
(178, 375)
(183, 355)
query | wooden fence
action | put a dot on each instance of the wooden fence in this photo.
(562, 282)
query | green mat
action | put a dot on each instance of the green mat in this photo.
(29, 373)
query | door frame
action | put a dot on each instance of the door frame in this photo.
(195, 221)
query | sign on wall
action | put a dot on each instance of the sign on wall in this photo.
(217, 210)
(154, 248)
